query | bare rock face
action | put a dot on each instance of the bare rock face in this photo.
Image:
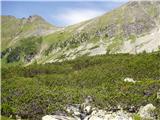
(133, 28)
(147, 112)
(108, 31)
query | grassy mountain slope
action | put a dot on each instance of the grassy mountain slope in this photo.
(128, 29)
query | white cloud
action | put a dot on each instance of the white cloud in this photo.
(74, 16)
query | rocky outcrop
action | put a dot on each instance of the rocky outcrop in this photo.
(86, 111)
(95, 115)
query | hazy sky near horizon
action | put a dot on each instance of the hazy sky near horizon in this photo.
(62, 13)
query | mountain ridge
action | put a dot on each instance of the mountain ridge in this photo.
(17, 28)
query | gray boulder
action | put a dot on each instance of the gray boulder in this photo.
(147, 111)
(74, 109)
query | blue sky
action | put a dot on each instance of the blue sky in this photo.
(62, 13)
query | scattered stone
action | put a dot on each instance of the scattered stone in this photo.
(132, 109)
(147, 112)
(88, 110)
(147, 93)
(18, 117)
(129, 80)
(115, 108)
(88, 100)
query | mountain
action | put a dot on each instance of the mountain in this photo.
(132, 28)
(101, 83)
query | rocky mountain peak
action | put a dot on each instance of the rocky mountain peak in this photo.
(35, 18)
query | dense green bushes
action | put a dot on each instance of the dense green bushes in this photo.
(36, 90)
